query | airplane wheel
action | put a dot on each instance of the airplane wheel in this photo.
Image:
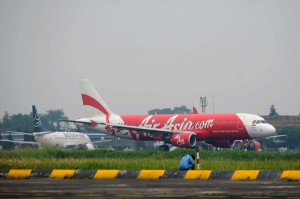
(82, 147)
(164, 148)
(167, 148)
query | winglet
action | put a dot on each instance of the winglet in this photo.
(195, 111)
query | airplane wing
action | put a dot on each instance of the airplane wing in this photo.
(16, 133)
(277, 139)
(42, 133)
(276, 136)
(138, 129)
(79, 122)
(20, 142)
(31, 134)
(100, 141)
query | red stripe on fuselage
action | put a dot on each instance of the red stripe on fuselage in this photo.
(207, 126)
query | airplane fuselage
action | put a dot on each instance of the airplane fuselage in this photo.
(62, 140)
(206, 126)
(180, 130)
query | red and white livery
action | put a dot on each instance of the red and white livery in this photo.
(180, 130)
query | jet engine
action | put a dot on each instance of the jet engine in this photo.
(253, 145)
(183, 139)
(221, 143)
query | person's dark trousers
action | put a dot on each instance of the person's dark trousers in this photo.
(192, 168)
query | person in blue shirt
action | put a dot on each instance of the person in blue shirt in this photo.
(187, 162)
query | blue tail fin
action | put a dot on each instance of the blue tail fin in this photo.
(37, 123)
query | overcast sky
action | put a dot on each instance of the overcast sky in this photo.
(142, 55)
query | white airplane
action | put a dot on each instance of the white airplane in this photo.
(59, 140)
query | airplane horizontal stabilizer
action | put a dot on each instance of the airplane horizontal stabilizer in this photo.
(21, 142)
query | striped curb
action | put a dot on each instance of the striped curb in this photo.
(152, 174)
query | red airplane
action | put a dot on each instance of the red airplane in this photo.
(252, 145)
(180, 130)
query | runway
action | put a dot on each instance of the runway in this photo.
(133, 188)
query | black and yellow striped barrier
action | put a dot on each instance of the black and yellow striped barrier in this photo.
(152, 174)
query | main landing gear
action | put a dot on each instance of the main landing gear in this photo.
(164, 147)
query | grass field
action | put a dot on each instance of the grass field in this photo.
(135, 160)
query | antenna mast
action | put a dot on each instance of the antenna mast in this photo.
(203, 103)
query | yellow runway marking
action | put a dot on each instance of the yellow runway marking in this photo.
(106, 174)
(151, 174)
(19, 173)
(245, 175)
(197, 174)
(290, 175)
(57, 173)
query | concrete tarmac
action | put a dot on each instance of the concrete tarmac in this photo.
(133, 188)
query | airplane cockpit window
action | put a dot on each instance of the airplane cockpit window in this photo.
(259, 121)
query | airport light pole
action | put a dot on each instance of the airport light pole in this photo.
(203, 103)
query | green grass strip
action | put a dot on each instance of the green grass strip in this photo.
(134, 160)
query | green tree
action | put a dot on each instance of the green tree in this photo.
(160, 111)
(51, 119)
(23, 122)
(181, 110)
(273, 111)
(6, 121)
(177, 110)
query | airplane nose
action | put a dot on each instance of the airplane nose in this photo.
(271, 130)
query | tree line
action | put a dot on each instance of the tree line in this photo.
(176, 110)
(24, 122)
